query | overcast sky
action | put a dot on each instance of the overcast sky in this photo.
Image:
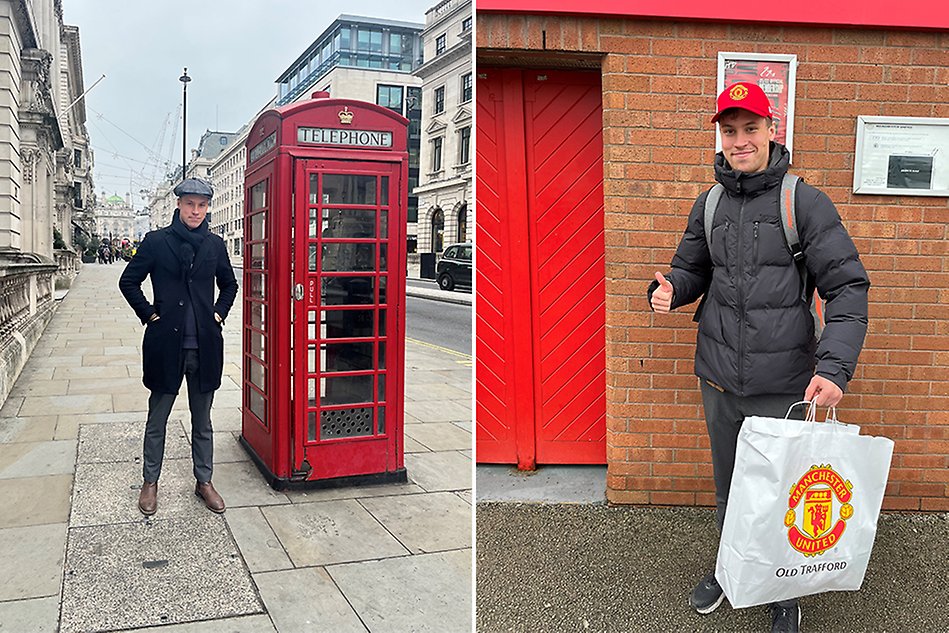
(233, 49)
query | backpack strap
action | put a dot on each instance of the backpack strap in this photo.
(789, 222)
(711, 203)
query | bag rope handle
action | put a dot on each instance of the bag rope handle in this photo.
(811, 414)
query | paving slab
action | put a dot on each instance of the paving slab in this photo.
(549, 484)
(122, 442)
(34, 501)
(443, 411)
(424, 523)
(107, 493)
(227, 448)
(40, 615)
(109, 385)
(241, 484)
(192, 563)
(352, 492)
(439, 436)
(67, 428)
(439, 471)
(322, 533)
(427, 592)
(245, 624)
(260, 547)
(32, 459)
(62, 405)
(32, 562)
(96, 371)
(411, 446)
(40, 388)
(40, 428)
(307, 601)
(433, 389)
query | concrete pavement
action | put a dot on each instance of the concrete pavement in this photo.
(77, 555)
(564, 567)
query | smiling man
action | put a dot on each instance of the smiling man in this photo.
(183, 332)
(756, 351)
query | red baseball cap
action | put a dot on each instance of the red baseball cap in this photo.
(744, 95)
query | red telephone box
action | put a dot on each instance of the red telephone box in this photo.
(325, 195)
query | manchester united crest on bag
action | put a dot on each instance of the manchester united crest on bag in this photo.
(814, 530)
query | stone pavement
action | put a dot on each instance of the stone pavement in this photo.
(78, 556)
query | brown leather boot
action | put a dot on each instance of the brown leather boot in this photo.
(210, 496)
(148, 498)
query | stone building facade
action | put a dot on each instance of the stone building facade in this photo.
(444, 191)
(42, 139)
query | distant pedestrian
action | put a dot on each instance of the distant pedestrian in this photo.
(757, 352)
(183, 335)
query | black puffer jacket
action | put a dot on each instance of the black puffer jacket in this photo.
(756, 335)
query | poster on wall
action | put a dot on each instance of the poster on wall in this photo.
(775, 74)
(901, 156)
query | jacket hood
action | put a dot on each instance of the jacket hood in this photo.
(753, 184)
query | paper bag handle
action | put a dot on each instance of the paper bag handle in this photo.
(811, 415)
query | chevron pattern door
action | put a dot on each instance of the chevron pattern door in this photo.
(540, 305)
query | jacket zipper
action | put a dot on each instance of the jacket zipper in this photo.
(754, 250)
(739, 283)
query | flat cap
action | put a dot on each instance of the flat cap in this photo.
(194, 187)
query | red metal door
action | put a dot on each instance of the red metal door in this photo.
(345, 374)
(540, 266)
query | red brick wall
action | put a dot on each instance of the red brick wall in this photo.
(659, 86)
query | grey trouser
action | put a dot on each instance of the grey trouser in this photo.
(724, 413)
(202, 439)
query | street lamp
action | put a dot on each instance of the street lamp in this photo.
(184, 79)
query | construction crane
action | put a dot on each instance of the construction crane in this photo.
(162, 164)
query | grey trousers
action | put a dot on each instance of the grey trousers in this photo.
(724, 413)
(202, 438)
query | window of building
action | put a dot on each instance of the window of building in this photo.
(362, 40)
(464, 144)
(439, 99)
(438, 231)
(466, 24)
(463, 224)
(77, 158)
(440, 43)
(375, 41)
(395, 43)
(437, 154)
(466, 88)
(389, 97)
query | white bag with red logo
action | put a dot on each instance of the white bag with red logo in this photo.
(802, 509)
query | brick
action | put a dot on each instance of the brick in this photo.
(900, 503)
(934, 504)
(864, 73)
(831, 90)
(938, 57)
(627, 497)
(675, 48)
(672, 498)
(884, 92)
(833, 54)
(625, 44)
(887, 56)
(859, 37)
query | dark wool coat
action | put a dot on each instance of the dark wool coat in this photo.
(157, 256)
(756, 333)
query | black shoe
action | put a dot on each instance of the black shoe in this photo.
(707, 595)
(785, 619)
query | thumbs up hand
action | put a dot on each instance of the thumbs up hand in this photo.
(662, 296)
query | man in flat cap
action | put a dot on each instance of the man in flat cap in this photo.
(183, 336)
(756, 352)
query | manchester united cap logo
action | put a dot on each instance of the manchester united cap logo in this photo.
(738, 92)
(822, 491)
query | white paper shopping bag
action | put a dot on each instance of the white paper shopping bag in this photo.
(802, 510)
